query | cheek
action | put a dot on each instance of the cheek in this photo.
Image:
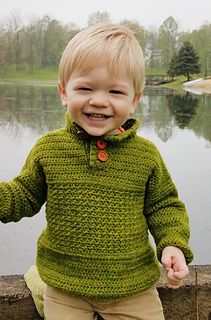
(73, 103)
(124, 107)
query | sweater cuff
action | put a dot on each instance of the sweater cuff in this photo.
(185, 249)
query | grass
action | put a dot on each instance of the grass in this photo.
(38, 74)
(177, 85)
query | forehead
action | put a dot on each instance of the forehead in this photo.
(115, 70)
(102, 74)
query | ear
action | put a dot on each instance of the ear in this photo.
(135, 101)
(62, 94)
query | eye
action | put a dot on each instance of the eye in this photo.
(116, 92)
(85, 89)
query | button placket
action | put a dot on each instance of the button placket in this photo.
(95, 156)
(102, 155)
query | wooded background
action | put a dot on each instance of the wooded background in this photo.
(38, 44)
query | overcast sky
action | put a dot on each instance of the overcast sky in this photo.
(189, 14)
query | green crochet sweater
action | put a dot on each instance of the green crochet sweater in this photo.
(98, 211)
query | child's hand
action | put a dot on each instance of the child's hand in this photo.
(174, 262)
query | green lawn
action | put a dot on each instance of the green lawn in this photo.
(38, 74)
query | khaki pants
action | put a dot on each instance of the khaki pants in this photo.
(59, 305)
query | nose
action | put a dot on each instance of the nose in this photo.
(99, 99)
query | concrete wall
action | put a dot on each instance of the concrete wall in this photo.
(190, 302)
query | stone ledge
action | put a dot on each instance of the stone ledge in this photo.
(190, 302)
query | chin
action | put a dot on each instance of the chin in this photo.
(95, 132)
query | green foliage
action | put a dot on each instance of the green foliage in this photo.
(40, 43)
(172, 71)
(201, 40)
(37, 45)
(186, 62)
(156, 71)
(167, 37)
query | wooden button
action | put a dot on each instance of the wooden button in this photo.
(102, 156)
(101, 144)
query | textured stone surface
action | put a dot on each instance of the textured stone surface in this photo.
(15, 300)
(190, 302)
(204, 292)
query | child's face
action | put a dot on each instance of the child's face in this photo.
(98, 102)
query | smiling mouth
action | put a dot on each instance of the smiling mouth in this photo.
(97, 116)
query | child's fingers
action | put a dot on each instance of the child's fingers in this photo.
(177, 275)
(166, 261)
(174, 282)
(180, 275)
(175, 279)
(174, 286)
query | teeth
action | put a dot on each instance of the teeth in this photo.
(98, 116)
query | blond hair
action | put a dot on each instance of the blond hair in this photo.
(106, 44)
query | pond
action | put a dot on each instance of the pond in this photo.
(180, 126)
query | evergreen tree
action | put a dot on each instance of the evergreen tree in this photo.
(172, 71)
(186, 62)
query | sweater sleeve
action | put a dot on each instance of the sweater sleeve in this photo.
(26, 193)
(166, 215)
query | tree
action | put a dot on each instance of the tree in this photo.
(201, 40)
(167, 39)
(17, 27)
(186, 62)
(152, 52)
(172, 71)
(2, 52)
(54, 39)
(98, 17)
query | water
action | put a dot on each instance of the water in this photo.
(180, 125)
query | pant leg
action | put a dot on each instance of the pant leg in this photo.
(59, 305)
(143, 306)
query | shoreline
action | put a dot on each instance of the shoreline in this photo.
(198, 86)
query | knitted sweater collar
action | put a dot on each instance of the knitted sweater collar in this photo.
(130, 127)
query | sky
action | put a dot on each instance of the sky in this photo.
(189, 14)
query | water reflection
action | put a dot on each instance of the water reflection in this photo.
(180, 125)
(37, 108)
(183, 108)
(167, 111)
